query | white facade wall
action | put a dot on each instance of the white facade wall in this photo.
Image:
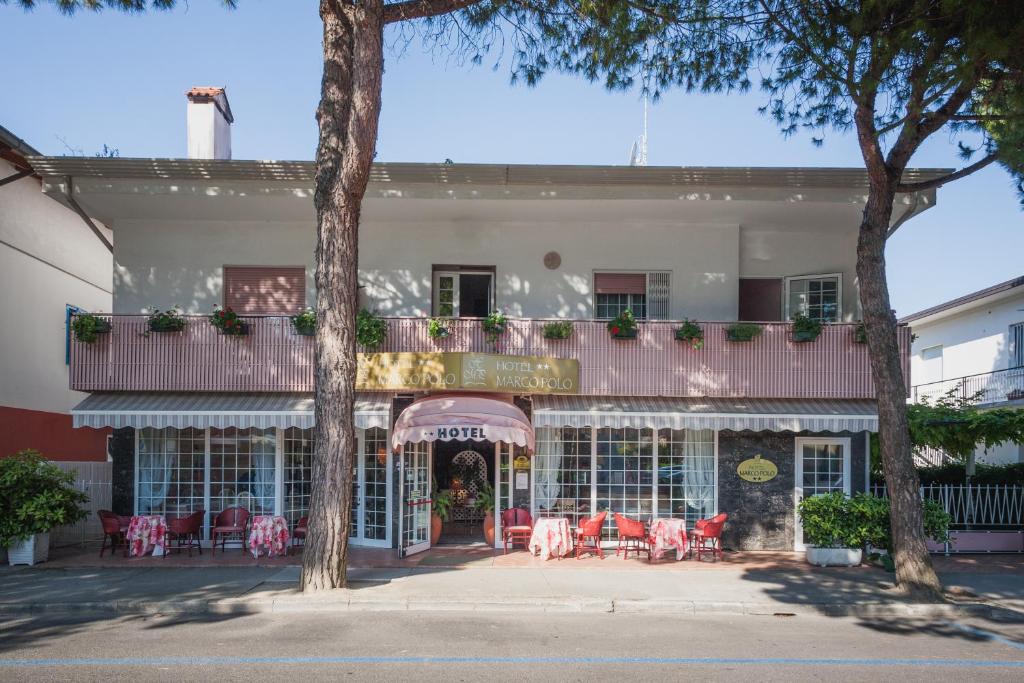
(160, 263)
(972, 341)
(48, 259)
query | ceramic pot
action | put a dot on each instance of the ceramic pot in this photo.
(489, 528)
(436, 525)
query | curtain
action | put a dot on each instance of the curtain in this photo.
(699, 459)
(263, 461)
(158, 452)
(548, 468)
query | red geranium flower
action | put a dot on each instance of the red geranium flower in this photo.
(220, 314)
(615, 329)
(229, 323)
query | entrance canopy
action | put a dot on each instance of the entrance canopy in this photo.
(217, 410)
(737, 414)
(462, 417)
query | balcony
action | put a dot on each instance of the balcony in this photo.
(986, 388)
(273, 357)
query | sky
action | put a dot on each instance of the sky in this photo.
(73, 85)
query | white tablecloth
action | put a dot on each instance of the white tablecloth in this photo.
(551, 536)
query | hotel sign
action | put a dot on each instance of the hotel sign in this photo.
(757, 470)
(468, 372)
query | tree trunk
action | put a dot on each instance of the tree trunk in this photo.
(348, 113)
(914, 571)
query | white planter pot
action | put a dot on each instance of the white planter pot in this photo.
(30, 551)
(833, 557)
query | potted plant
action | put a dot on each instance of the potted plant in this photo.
(371, 329)
(494, 325)
(485, 503)
(86, 326)
(228, 322)
(860, 333)
(439, 328)
(305, 322)
(440, 511)
(805, 329)
(742, 332)
(560, 329)
(166, 321)
(833, 533)
(623, 326)
(35, 496)
(692, 333)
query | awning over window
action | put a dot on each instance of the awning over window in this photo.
(774, 415)
(455, 417)
(218, 410)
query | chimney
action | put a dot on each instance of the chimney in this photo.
(209, 123)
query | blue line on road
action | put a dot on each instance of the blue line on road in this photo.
(691, 661)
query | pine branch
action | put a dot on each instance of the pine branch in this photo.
(421, 9)
(948, 178)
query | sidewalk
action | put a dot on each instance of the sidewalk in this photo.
(757, 587)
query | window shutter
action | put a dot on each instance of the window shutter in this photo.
(1017, 345)
(265, 290)
(620, 283)
(658, 290)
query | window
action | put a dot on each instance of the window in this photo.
(686, 474)
(242, 469)
(561, 470)
(265, 290)
(818, 297)
(760, 299)
(298, 473)
(645, 294)
(1017, 345)
(624, 474)
(931, 365)
(463, 291)
(375, 484)
(170, 471)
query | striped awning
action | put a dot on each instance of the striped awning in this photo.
(218, 410)
(773, 415)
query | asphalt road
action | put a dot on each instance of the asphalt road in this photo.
(474, 646)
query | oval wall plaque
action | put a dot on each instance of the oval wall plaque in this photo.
(757, 470)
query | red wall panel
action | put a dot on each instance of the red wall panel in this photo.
(51, 434)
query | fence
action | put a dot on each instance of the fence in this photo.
(984, 388)
(978, 507)
(94, 479)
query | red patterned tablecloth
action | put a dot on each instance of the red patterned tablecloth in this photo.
(269, 533)
(668, 533)
(146, 534)
(551, 536)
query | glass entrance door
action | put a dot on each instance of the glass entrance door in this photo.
(822, 466)
(416, 501)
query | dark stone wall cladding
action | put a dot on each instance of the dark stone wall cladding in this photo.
(762, 516)
(122, 451)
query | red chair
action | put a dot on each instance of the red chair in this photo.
(707, 536)
(185, 532)
(115, 528)
(516, 527)
(229, 525)
(632, 537)
(590, 529)
(301, 527)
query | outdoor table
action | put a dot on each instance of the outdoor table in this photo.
(268, 532)
(668, 533)
(146, 534)
(551, 536)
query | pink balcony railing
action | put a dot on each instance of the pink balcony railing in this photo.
(273, 357)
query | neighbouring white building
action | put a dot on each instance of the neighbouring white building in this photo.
(973, 346)
(52, 264)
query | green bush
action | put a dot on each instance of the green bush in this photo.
(166, 321)
(742, 332)
(35, 496)
(371, 329)
(828, 522)
(87, 326)
(691, 332)
(833, 520)
(805, 329)
(956, 473)
(560, 329)
(439, 328)
(305, 322)
(494, 325)
(623, 325)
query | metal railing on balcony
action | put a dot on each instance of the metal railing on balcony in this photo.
(273, 357)
(982, 388)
